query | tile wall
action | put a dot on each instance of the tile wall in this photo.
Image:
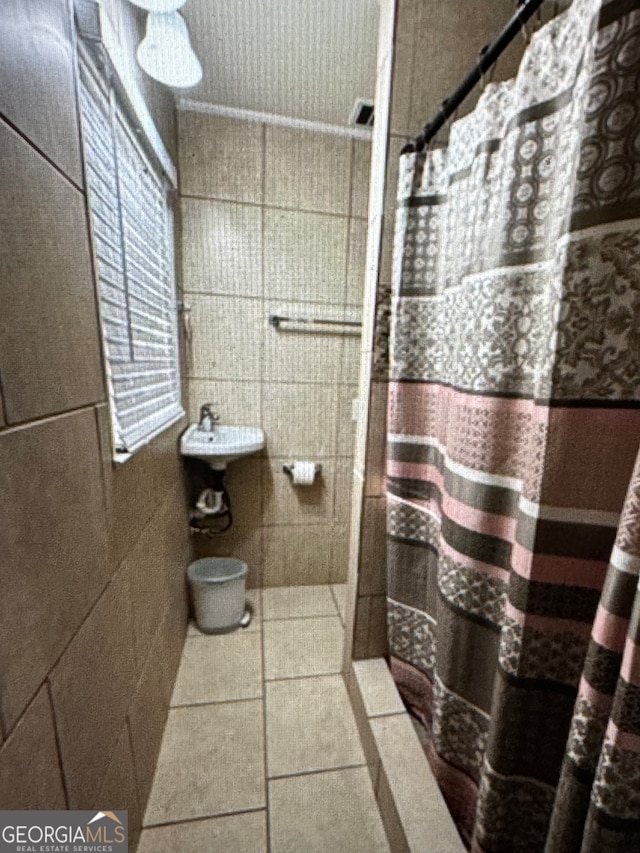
(274, 222)
(92, 612)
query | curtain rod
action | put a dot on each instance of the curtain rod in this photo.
(488, 56)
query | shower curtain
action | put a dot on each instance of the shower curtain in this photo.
(514, 424)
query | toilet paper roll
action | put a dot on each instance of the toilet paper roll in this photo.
(303, 473)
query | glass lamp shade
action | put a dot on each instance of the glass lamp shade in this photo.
(165, 52)
(159, 5)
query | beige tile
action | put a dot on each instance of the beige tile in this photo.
(134, 490)
(356, 267)
(305, 256)
(373, 548)
(302, 355)
(299, 420)
(236, 402)
(403, 65)
(37, 91)
(53, 567)
(417, 798)
(345, 444)
(219, 669)
(243, 541)
(296, 555)
(47, 303)
(307, 170)
(147, 569)
(360, 178)
(29, 770)
(310, 726)
(295, 602)
(362, 619)
(211, 149)
(333, 811)
(376, 460)
(286, 503)
(377, 689)
(386, 246)
(91, 689)
(351, 350)
(344, 484)
(364, 729)
(221, 248)
(242, 832)
(299, 647)
(389, 814)
(227, 738)
(227, 337)
(148, 711)
(118, 789)
(254, 598)
(339, 553)
(378, 645)
(339, 591)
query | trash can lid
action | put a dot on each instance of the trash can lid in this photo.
(217, 570)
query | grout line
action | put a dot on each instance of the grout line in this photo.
(50, 416)
(278, 207)
(302, 677)
(317, 772)
(299, 618)
(201, 818)
(264, 730)
(216, 702)
(58, 747)
(335, 601)
(45, 157)
(274, 381)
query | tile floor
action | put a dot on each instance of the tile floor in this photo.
(261, 752)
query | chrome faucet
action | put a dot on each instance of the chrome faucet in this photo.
(208, 419)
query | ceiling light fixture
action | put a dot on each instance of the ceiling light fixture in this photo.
(165, 52)
(162, 6)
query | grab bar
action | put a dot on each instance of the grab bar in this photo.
(350, 327)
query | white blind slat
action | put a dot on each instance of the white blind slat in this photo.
(132, 233)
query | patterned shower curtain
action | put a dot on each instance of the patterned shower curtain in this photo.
(514, 425)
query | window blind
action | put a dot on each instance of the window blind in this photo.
(132, 232)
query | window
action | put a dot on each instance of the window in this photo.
(132, 233)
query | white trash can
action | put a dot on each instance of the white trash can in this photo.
(217, 591)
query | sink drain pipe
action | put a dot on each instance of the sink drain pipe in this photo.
(210, 512)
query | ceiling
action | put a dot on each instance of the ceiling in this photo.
(303, 59)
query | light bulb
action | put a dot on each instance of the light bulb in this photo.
(162, 6)
(165, 52)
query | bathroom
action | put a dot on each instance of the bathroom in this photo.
(440, 528)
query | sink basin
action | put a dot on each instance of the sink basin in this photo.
(222, 445)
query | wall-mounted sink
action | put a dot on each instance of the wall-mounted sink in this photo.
(221, 445)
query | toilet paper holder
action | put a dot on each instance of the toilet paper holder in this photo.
(288, 469)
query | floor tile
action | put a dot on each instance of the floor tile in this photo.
(241, 833)
(255, 600)
(294, 601)
(334, 811)
(378, 691)
(310, 726)
(219, 668)
(340, 594)
(211, 762)
(298, 647)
